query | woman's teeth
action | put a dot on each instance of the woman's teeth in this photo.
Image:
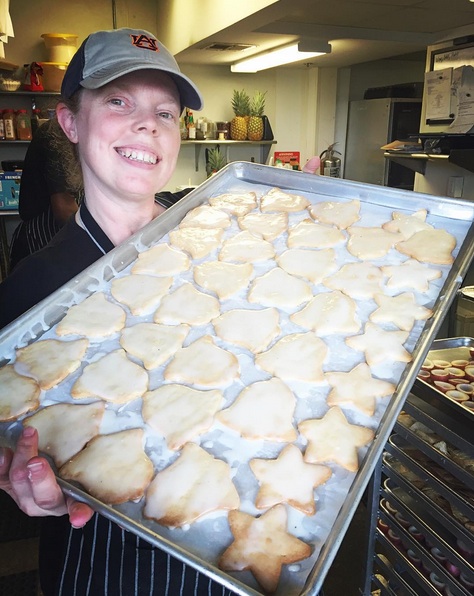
(135, 155)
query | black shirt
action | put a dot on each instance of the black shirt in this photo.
(101, 558)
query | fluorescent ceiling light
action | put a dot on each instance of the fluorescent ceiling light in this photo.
(284, 55)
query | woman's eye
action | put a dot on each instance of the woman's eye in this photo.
(166, 115)
(117, 102)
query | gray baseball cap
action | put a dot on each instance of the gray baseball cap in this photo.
(107, 55)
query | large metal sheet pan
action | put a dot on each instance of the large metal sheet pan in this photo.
(454, 215)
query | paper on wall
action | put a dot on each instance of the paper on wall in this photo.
(463, 90)
(438, 94)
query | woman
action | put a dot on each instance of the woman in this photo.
(122, 97)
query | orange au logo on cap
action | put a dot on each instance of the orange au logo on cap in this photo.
(145, 42)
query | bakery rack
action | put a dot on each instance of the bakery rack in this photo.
(416, 546)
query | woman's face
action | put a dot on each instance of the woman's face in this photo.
(128, 135)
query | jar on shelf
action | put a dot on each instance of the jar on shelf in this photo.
(23, 126)
(9, 124)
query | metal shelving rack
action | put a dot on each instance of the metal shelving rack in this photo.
(410, 488)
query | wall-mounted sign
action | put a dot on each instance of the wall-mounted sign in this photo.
(452, 57)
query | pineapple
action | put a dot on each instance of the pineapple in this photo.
(255, 124)
(215, 161)
(241, 107)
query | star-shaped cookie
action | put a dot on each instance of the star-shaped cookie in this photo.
(379, 345)
(262, 545)
(333, 439)
(357, 388)
(407, 225)
(288, 479)
(410, 275)
(401, 310)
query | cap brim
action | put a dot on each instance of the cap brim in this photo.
(188, 92)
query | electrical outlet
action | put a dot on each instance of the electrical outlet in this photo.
(455, 187)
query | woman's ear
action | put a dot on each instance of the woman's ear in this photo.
(67, 121)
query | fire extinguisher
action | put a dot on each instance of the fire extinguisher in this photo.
(330, 163)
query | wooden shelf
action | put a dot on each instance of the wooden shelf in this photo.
(15, 142)
(30, 93)
(264, 147)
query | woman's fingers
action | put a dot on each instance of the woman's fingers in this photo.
(79, 513)
(26, 448)
(45, 491)
(31, 481)
(312, 165)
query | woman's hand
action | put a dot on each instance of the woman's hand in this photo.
(31, 482)
(312, 165)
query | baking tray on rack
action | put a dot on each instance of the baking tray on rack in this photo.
(450, 349)
(338, 499)
(425, 480)
(439, 450)
(434, 533)
(415, 514)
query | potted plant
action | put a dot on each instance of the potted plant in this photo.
(215, 161)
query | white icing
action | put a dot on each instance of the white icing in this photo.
(208, 537)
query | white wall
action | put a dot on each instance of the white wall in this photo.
(81, 17)
(381, 73)
(307, 107)
(294, 96)
(183, 22)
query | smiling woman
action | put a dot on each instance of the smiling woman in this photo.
(131, 128)
(122, 96)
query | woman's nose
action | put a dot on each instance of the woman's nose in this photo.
(147, 122)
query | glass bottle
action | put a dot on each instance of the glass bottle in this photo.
(9, 123)
(23, 126)
(191, 126)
